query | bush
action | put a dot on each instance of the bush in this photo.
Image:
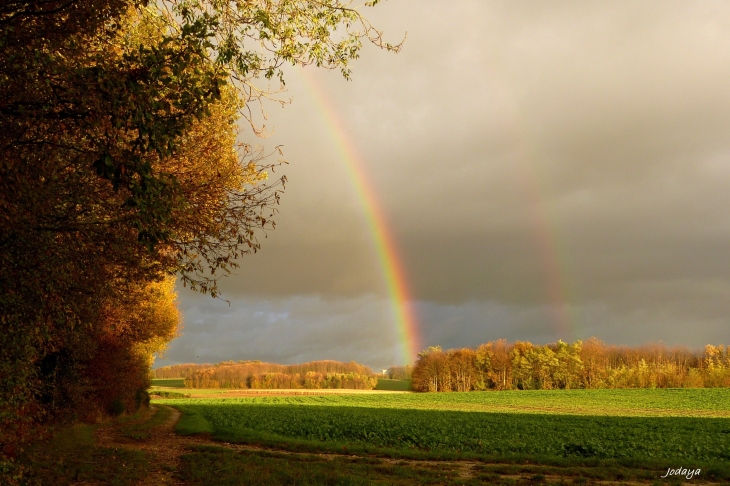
(142, 398)
(116, 408)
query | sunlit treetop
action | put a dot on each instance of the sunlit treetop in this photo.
(119, 88)
(255, 38)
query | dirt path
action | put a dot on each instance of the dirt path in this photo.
(165, 448)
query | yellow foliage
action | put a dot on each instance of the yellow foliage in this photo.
(162, 318)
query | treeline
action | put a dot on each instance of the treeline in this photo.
(120, 172)
(499, 365)
(260, 375)
(179, 371)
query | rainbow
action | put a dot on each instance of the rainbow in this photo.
(547, 243)
(387, 251)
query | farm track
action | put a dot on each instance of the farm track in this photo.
(164, 446)
(165, 449)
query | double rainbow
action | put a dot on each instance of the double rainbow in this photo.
(545, 229)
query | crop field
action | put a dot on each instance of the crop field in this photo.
(169, 382)
(394, 385)
(688, 424)
(696, 402)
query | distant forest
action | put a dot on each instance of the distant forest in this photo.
(499, 365)
(256, 374)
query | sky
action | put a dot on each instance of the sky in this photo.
(544, 171)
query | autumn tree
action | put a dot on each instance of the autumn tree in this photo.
(569, 371)
(119, 169)
(432, 371)
(595, 361)
(492, 361)
(463, 370)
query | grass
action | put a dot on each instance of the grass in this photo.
(71, 457)
(210, 391)
(702, 402)
(212, 465)
(155, 390)
(168, 394)
(176, 392)
(393, 385)
(191, 422)
(142, 430)
(169, 382)
(208, 465)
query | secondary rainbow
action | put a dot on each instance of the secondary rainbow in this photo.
(533, 184)
(393, 271)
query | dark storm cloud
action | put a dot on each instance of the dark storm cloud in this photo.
(286, 330)
(505, 138)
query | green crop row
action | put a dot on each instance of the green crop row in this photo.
(483, 433)
(402, 421)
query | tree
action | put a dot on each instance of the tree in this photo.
(570, 366)
(501, 366)
(400, 372)
(462, 363)
(119, 170)
(431, 371)
(595, 362)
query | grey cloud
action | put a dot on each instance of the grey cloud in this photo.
(287, 330)
(296, 329)
(513, 146)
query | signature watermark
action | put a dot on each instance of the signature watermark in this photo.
(680, 471)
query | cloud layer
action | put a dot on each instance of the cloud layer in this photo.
(532, 161)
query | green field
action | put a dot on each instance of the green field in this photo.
(393, 385)
(688, 424)
(169, 382)
(695, 402)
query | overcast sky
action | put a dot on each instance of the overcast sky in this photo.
(548, 170)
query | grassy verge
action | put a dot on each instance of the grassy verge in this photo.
(166, 394)
(71, 457)
(191, 423)
(221, 466)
